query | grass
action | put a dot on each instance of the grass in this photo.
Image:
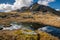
(39, 17)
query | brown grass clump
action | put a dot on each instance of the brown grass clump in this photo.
(25, 35)
(46, 36)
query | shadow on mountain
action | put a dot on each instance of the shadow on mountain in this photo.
(37, 7)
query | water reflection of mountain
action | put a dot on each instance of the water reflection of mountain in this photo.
(51, 30)
(15, 25)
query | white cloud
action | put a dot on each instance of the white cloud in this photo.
(45, 2)
(21, 3)
(17, 5)
(57, 9)
(5, 7)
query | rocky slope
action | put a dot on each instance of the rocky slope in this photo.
(43, 8)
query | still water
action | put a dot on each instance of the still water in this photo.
(49, 29)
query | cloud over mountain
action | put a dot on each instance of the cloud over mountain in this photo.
(21, 3)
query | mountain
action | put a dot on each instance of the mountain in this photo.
(42, 16)
(37, 7)
(23, 9)
(43, 8)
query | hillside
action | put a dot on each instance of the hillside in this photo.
(39, 17)
(36, 16)
(25, 35)
(36, 13)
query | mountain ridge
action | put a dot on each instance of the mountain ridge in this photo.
(37, 7)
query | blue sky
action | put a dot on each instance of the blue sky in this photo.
(55, 4)
(7, 1)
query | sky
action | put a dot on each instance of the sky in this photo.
(55, 4)
(14, 4)
(7, 1)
